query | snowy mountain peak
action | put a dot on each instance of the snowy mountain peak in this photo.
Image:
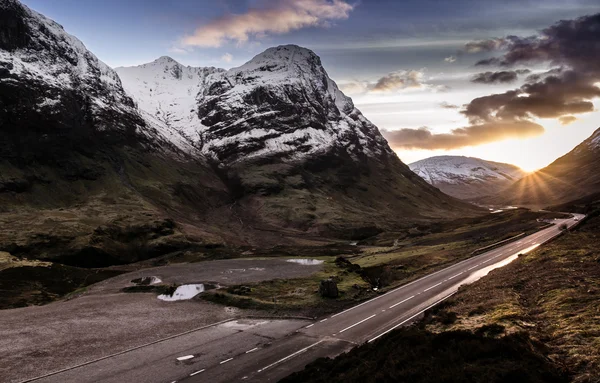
(37, 51)
(165, 60)
(282, 103)
(283, 57)
(466, 177)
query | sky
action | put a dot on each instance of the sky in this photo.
(479, 78)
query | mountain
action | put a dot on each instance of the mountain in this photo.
(466, 177)
(281, 103)
(127, 165)
(571, 177)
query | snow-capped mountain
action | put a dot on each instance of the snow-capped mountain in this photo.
(466, 177)
(36, 51)
(270, 144)
(166, 93)
(282, 103)
(572, 176)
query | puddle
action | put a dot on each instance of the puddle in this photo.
(306, 262)
(183, 292)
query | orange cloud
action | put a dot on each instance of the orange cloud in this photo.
(278, 18)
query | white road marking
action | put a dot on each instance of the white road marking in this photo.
(429, 288)
(226, 360)
(310, 325)
(407, 299)
(357, 323)
(254, 349)
(290, 356)
(185, 357)
(454, 276)
(406, 320)
(471, 268)
(323, 320)
(197, 372)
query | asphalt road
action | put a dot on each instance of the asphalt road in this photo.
(268, 350)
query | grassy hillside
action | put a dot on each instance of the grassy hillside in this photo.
(535, 320)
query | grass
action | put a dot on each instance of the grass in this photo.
(417, 355)
(552, 294)
(534, 320)
(299, 295)
(384, 262)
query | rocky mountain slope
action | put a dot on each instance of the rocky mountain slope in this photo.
(183, 156)
(466, 177)
(573, 176)
(281, 102)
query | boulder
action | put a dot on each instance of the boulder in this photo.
(328, 288)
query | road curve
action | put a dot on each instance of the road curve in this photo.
(270, 350)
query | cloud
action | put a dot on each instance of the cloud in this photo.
(278, 17)
(178, 50)
(569, 88)
(391, 83)
(485, 45)
(447, 105)
(450, 59)
(567, 120)
(473, 135)
(398, 80)
(504, 76)
(354, 87)
(227, 57)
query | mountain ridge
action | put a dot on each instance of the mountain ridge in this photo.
(271, 152)
(570, 177)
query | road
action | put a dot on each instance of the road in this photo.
(262, 350)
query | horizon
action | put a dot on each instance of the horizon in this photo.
(413, 77)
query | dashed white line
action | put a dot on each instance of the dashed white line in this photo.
(323, 320)
(429, 288)
(310, 325)
(254, 349)
(181, 358)
(406, 320)
(357, 323)
(471, 268)
(396, 304)
(197, 372)
(226, 360)
(290, 356)
(454, 276)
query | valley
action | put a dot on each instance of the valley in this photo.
(166, 222)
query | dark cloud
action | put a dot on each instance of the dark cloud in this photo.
(573, 47)
(447, 105)
(566, 120)
(473, 135)
(504, 76)
(552, 97)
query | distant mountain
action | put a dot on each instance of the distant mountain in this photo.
(466, 177)
(162, 155)
(571, 177)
